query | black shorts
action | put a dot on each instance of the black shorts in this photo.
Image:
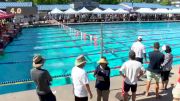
(128, 86)
(47, 97)
(140, 60)
(81, 98)
(165, 75)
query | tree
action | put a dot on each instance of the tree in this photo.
(115, 1)
(165, 2)
(108, 1)
(37, 1)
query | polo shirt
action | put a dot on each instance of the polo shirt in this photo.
(42, 79)
(131, 69)
(156, 58)
(139, 49)
(79, 80)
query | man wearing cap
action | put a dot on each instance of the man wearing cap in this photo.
(80, 80)
(102, 74)
(139, 49)
(156, 58)
(42, 79)
(131, 71)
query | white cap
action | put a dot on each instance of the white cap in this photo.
(163, 47)
(139, 37)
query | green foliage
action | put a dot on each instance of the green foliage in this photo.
(50, 1)
(109, 1)
(138, 1)
(165, 2)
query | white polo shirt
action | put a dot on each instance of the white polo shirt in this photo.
(79, 80)
(131, 69)
(139, 49)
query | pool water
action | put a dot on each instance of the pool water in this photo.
(61, 47)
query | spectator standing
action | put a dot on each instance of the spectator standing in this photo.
(42, 79)
(166, 67)
(80, 80)
(131, 71)
(154, 68)
(176, 90)
(102, 74)
(139, 49)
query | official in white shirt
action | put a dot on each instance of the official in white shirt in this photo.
(80, 80)
(139, 49)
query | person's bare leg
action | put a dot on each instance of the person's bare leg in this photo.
(125, 96)
(105, 95)
(176, 99)
(157, 89)
(147, 88)
(99, 94)
(163, 85)
(133, 96)
(166, 84)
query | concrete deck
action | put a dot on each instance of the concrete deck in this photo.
(64, 93)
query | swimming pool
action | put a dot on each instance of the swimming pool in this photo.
(61, 47)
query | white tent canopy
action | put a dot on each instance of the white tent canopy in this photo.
(161, 11)
(145, 11)
(97, 11)
(56, 11)
(71, 11)
(84, 10)
(108, 11)
(121, 11)
(175, 11)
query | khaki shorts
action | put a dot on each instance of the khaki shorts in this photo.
(151, 75)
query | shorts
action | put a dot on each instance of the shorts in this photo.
(140, 60)
(47, 97)
(151, 75)
(165, 75)
(128, 86)
(81, 98)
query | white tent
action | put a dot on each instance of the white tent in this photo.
(161, 11)
(121, 11)
(145, 11)
(108, 11)
(71, 11)
(175, 11)
(84, 10)
(56, 11)
(97, 11)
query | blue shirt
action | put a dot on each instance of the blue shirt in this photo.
(156, 59)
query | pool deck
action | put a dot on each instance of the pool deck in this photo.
(64, 93)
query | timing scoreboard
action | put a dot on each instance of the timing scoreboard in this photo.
(22, 10)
